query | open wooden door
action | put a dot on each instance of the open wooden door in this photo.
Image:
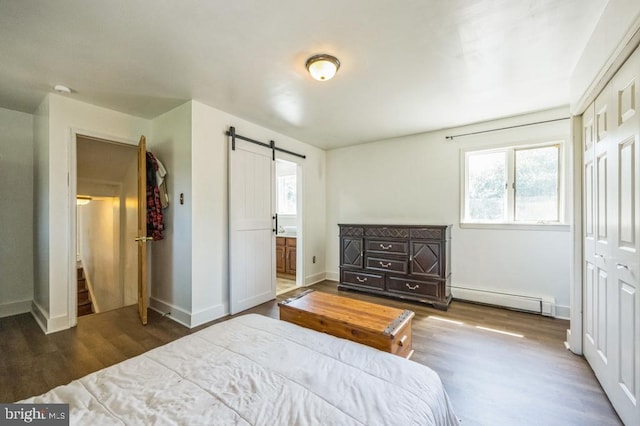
(142, 230)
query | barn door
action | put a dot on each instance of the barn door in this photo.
(251, 236)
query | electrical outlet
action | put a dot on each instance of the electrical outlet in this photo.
(314, 259)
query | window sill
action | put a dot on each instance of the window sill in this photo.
(518, 226)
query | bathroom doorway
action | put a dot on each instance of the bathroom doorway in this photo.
(288, 235)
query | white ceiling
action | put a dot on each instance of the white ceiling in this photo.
(104, 162)
(407, 66)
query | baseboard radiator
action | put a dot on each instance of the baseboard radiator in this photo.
(538, 305)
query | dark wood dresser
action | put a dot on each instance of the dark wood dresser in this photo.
(405, 261)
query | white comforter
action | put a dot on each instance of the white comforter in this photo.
(259, 371)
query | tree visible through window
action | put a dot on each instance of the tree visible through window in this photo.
(512, 184)
(286, 202)
(536, 189)
(487, 175)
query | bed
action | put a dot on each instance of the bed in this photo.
(255, 370)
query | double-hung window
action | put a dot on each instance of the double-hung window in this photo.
(511, 185)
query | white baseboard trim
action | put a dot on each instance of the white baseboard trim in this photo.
(40, 315)
(209, 314)
(332, 276)
(47, 324)
(188, 319)
(315, 278)
(537, 304)
(177, 314)
(15, 308)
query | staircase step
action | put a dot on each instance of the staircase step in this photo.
(80, 273)
(85, 308)
(82, 284)
(83, 295)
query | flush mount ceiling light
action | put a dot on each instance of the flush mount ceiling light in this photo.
(61, 88)
(323, 67)
(82, 200)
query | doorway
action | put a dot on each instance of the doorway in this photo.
(106, 225)
(287, 215)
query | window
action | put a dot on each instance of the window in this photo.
(286, 194)
(513, 185)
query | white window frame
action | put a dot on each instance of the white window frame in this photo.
(280, 183)
(510, 223)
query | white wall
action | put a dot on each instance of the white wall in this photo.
(16, 213)
(170, 271)
(56, 119)
(209, 197)
(41, 167)
(210, 158)
(99, 228)
(416, 180)
(617, 25)
(190, 267)
(210, 161)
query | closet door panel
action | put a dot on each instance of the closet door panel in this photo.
(628, 349)
(621, 376)
(589, 219)
(602, 329)
(602, 197)
(588, 201)
(589, 317)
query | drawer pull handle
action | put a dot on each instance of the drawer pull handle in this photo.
(622, 266)
(401, 341)
(385, 265)
(383, 247)
(361, 280)
(417, 286)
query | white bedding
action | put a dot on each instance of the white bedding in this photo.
(259, 371)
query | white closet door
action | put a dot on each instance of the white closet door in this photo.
(624, 302)
(612, 250)
(591, 300)
(251, 238)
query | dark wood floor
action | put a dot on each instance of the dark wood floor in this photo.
(491, 378)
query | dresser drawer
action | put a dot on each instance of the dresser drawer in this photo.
(380, 264)
(407, 286)
(382, 246)
(363, 280)
(386, 232)
(351, 231)
(427, 234)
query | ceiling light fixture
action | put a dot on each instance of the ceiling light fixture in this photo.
(61, 88)
(82, 200)
(323, 67)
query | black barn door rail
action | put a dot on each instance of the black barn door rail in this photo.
(271, 145)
